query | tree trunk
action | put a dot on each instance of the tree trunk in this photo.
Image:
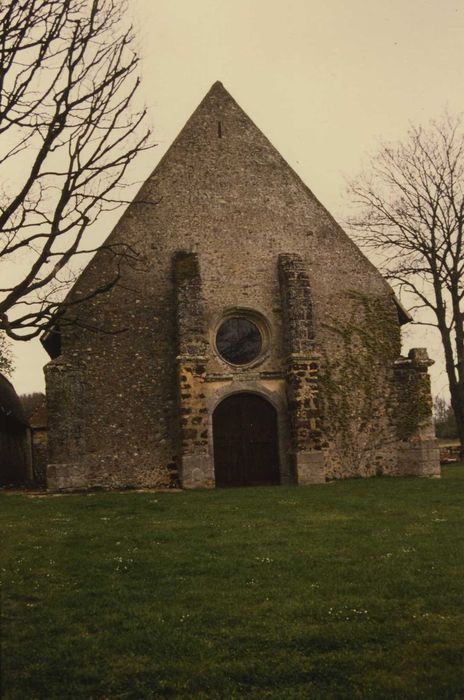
(457, 403)
(455, 378)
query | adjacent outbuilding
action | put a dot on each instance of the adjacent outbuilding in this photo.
(39, 442)
(15, 446)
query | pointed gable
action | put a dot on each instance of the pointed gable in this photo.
(221, 174)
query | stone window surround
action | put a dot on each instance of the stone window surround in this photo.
(256, 317)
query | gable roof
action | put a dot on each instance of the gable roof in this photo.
(10, 403)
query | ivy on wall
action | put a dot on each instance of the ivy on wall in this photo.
(414, 406)
(357, 388)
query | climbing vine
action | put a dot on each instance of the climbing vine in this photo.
(415, 408)
(357, 392)
(6, 355)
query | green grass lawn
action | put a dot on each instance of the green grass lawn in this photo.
(348, 590)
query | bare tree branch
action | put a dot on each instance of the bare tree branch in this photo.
(67, 85)
(410, 207)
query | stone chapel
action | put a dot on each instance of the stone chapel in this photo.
(250, 343)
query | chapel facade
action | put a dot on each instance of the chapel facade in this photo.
(250, 343)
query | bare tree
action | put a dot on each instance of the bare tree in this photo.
(411, 210)
(68, 132)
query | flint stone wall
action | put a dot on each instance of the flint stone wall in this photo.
(122, 402)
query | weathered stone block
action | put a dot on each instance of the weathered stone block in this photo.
(310, 467)
(197, 471)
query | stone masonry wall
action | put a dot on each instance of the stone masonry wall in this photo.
(39, 438)
(127, 408)
(66, 412)
(225, 196)
(357, 388)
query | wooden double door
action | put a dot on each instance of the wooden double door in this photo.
(246, 449)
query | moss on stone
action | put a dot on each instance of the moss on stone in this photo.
(356, 390)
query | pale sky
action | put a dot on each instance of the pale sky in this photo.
(325, 82)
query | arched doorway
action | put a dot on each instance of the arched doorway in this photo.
(246, 450)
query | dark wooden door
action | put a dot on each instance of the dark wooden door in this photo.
(245, 442)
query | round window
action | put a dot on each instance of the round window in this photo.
(239, 341)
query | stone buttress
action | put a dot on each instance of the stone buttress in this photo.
(196, 467)
(301, 370)
(418, 451)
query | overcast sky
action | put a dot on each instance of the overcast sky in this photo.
(325, 81)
